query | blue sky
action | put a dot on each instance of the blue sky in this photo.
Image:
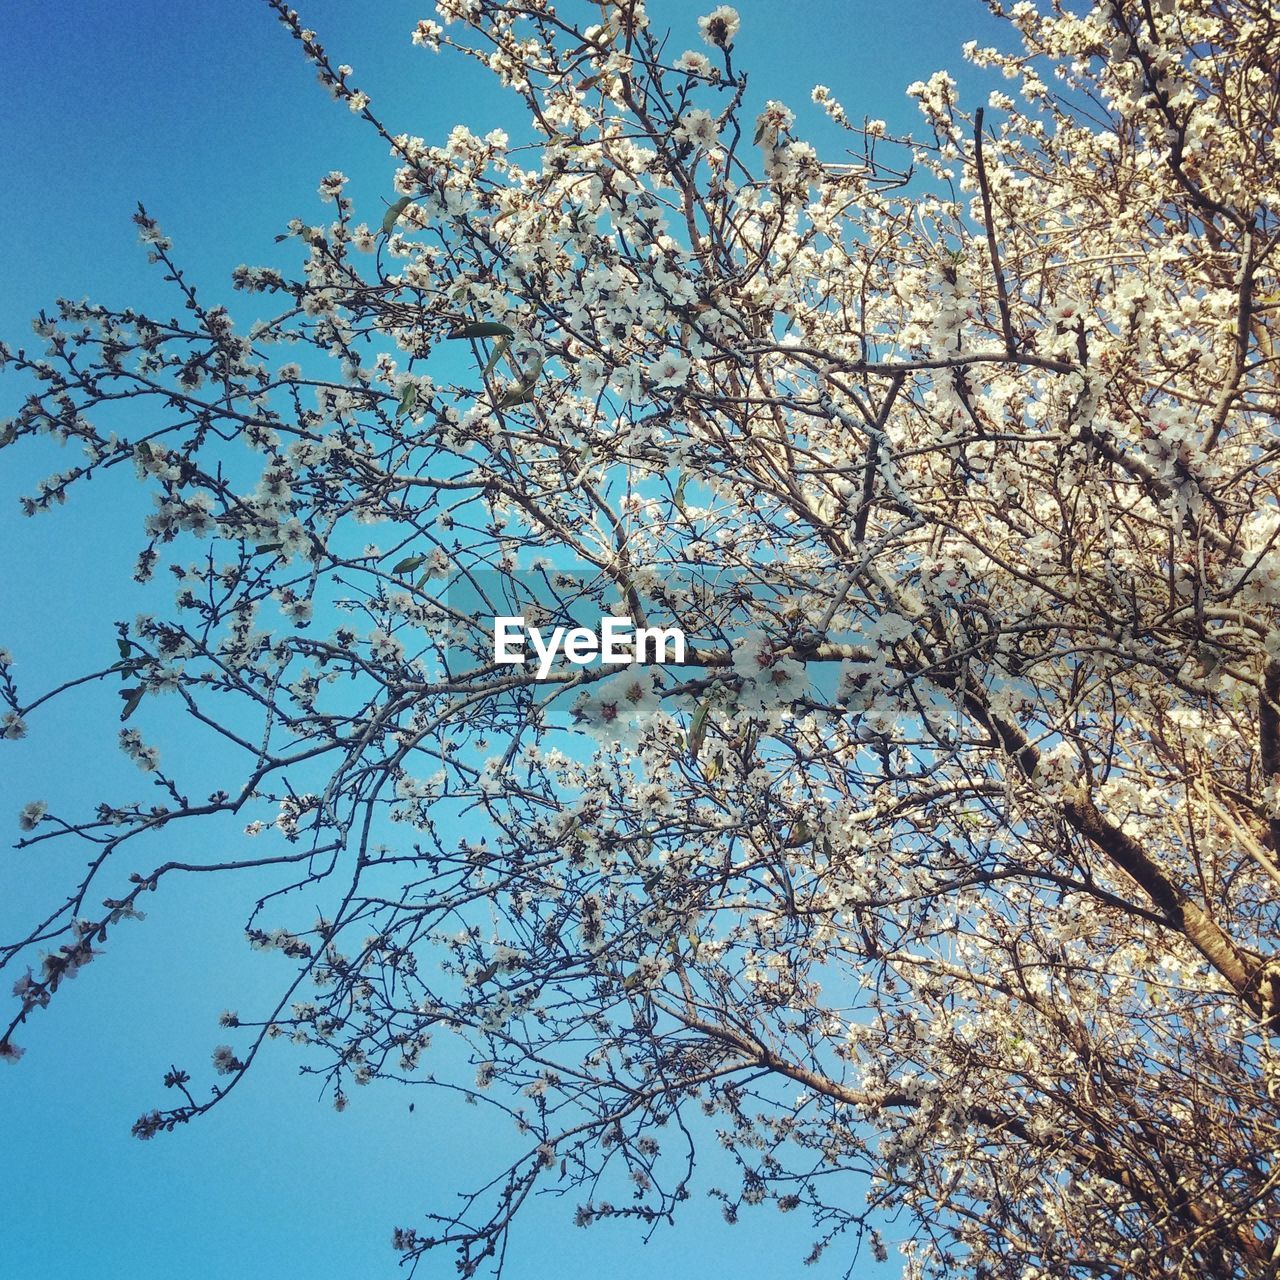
(209, 114)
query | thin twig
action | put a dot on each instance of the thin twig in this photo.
(1002, 293)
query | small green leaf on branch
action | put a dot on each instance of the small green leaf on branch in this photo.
(483, 329)
(394, 210)
(408, 398)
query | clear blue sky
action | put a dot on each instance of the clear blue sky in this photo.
(209, 114)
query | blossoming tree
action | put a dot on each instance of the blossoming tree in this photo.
(940, 883)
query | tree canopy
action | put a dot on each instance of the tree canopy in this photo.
(939, 886)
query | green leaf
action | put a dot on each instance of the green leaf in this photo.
(263, 547)
(801, 835)
(678, 496)
(500, 349)
(124, 646)
(483, 329)
(131, 699)
(407, 400)
(408, 564)
(393, 213)
(516, 396)
(522, 391)
(698, 728)
(760, 132)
